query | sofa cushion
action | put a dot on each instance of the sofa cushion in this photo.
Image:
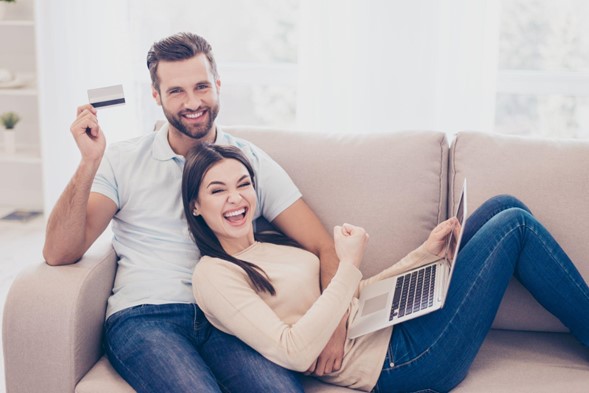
(550, 177)
(103, 378)
(392, 184)
(528, 362)
(508, 362)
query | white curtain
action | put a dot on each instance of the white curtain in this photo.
(379, 65)
(81, 45)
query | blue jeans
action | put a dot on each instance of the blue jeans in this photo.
(501, 239)
(173, 348)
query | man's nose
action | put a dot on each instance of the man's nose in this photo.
(193, 101)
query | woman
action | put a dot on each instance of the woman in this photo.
(267, 293)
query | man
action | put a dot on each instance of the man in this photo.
(155, 335)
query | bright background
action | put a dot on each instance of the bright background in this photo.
(512, 66)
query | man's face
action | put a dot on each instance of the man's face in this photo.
(189, 95)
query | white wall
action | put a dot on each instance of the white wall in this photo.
(381, 65)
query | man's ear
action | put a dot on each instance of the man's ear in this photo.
(156, 96)
(218, 84)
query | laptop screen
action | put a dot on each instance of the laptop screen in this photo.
(452, 242)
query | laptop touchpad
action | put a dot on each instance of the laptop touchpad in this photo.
(375, 304)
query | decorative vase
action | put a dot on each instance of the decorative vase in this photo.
(9, 141)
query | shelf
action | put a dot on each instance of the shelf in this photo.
(17, 23)
(23, 155)
(25, 86)
(26, 91)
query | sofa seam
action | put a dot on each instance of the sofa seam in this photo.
(443, 141)
(451, 172)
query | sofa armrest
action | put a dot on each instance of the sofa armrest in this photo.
(53, 319)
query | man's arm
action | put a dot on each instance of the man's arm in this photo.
(76, 221)
(79, 217)
(300, 223)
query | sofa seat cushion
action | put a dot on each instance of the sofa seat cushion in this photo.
(528, 362)
(509, 361)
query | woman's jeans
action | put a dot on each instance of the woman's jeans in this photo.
(433, 353)
(173, 348)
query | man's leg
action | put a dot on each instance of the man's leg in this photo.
(240, 369)
(154, 348)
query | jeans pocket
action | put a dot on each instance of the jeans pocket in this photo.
(125, 313)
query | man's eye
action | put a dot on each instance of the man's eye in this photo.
(202, 87)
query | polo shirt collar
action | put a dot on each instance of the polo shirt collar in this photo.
(162, 150)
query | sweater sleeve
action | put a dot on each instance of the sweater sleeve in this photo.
(230, 303)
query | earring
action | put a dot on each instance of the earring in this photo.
(195, 212)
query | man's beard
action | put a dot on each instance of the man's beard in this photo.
(194, 131)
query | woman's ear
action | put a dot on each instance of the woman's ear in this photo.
(195, 211)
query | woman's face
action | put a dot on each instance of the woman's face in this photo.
(227, 203)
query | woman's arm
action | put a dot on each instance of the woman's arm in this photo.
(430, 251)
(224, 294)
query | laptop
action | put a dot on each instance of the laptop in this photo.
(412, 294)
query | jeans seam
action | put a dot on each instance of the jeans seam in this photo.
(556, 260)
(122, 364)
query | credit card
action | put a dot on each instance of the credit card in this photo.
(106, 96)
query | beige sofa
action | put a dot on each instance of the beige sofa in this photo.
(398, 186)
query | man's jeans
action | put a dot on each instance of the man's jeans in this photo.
(173, 348)
(433, 353)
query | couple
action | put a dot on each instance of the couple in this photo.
(158, 339)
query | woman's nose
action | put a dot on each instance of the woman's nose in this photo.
(234, 197)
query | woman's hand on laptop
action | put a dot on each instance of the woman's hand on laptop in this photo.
(350, 243)
(437, 241)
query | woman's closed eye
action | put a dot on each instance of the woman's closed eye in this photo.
(245, 184)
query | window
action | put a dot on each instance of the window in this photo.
(543, 77)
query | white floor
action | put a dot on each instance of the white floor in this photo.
(20, 246)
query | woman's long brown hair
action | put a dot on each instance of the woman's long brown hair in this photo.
(198, 161)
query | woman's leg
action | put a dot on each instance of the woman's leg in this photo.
(488, 210)
(436, 350)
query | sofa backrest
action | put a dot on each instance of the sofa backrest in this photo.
(398, 186)
(552, 178)
(393, 184)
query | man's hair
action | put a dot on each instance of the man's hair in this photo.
(180, 46)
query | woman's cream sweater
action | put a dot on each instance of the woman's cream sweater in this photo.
(292, 327)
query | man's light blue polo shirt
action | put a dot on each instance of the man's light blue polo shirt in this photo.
(143, 176)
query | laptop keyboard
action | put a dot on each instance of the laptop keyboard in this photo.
(414, 292)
